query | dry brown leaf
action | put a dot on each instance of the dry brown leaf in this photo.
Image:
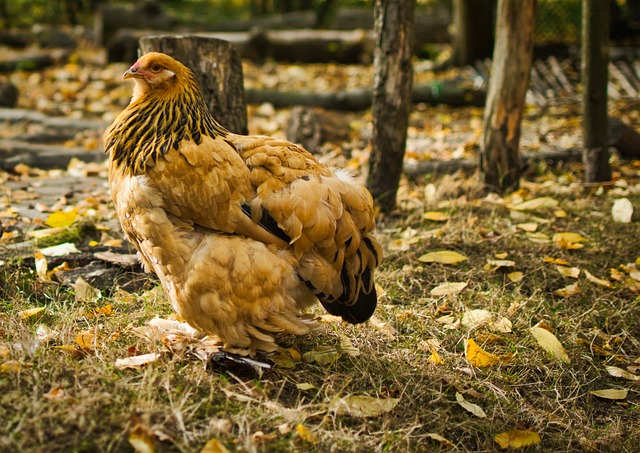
(322, 355)
(55, 394)
(86, 339)
(42, 266)
(572, 272)
(443, 257)
(480, 317)
(550, 343)
(384, 327)
(347, 347)
(470, 407)
(619, 372)
(442, 440)
(596, 280)
(517, 438)
(363, 406)
(84, 292)
(137, 361)
(449, 288)
(568, 291)
(611, 394)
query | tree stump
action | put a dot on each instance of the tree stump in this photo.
(218, 69)
(500, 162)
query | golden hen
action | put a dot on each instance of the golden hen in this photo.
(244, 232)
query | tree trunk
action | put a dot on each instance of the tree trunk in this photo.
(217, 67)
(499, 159)
(595, 58)
(391, 97)
(473, 31)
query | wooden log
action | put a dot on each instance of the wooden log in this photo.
(50, 122)
(217, 67)
(14, 152)
(35, 62)
(449, 93)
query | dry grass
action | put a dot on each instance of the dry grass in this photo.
(183, 403)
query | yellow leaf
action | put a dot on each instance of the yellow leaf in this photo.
(25, 314)
(5, 352)
(141, 439)
(61, 219)
(539, 238)
(529, 227)
(572, 272)
(364, 406)
(137, 361)
(10, 366)
(436, 216)
(86, 339)
(515, 277)
(447, 289)
(214, 446)
(306, 434)
(305, 386)
(435, 358)
(568, 240)
(443, 256)
(611, 394)
(559, 261)
(107, 310)
(535, 204)
(470, 407)
(518, 438)
(501, 256)
(598, 281)
(549, 343)
(619, 372)
(477, 356)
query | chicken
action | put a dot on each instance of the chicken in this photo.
(244, 232)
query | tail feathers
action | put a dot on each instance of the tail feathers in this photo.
(359, 310)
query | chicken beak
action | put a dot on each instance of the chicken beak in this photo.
(131, 73)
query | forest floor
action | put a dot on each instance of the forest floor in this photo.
(523, 330)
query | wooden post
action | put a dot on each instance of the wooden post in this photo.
(391, 106)
(217, 67)
(595, 59)
(512, 56)
(473, 31)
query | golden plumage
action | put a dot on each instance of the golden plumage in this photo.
(244, 232)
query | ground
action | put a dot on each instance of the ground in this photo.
(410, 380)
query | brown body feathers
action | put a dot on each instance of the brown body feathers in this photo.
(244, 232)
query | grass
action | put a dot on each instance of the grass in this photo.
(75, 399)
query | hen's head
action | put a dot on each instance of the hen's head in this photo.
(158, 74)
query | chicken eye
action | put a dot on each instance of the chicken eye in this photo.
(155, 68)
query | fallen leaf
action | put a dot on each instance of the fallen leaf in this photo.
(66, 248)
(442, 440)
(479, 317)
(436, 216)
(322, 355)
(10, 366)
(567, 291)
(497, 264)
(550, 343)
(518, 438)
(569, 241)
(449, 288)
(540, 238)
(501, 256)
(535, 204)
(137, 361)
(305, 386)
(611, 394)
(5, 352)
(515, 276)
(141, 439)
(529, 227)
(443, 257)
(347, 347)
(84, 292)
(42, 266)
(86, 340)
(477, 356)
(55, 394)
(622, 210)
(560, 261)
(214, 446)
(363, 406)
(306, 434)
(384, 327)
(31, 312)
(470, 407)
(435, 357)
(619, 372)
(572, 272)
(596, 280)
(61, 219)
